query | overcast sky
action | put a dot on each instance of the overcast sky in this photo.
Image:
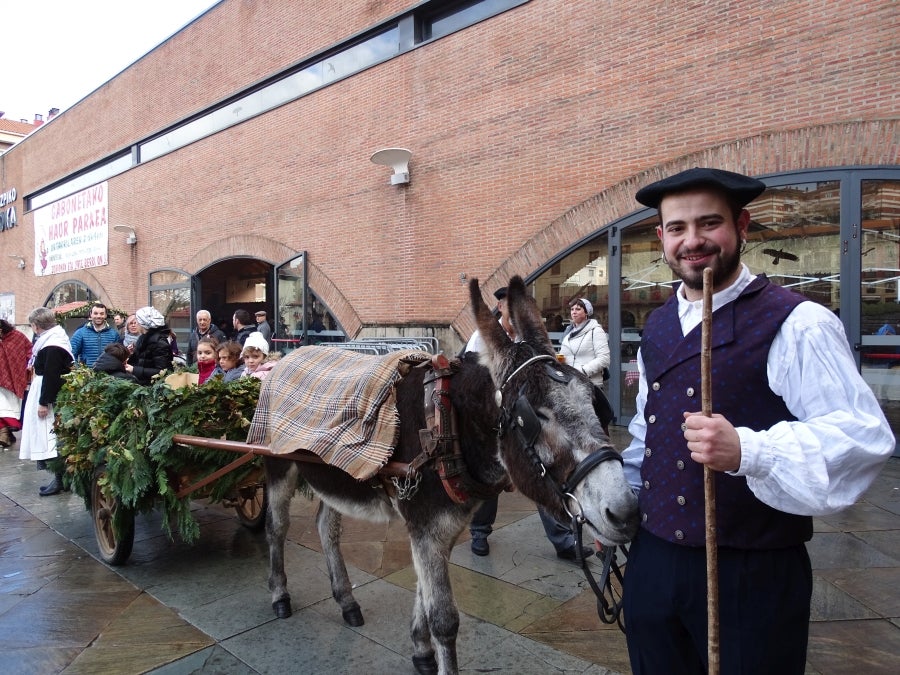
(55, 52)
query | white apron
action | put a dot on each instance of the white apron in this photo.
(37, 440)
(10, 404)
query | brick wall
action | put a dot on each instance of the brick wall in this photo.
(528, 131)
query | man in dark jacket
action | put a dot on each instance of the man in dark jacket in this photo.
(89, 341)
(205, 328)
(243, 325)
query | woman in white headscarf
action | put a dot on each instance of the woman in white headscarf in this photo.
(152, 351)
(585, 345)
(51, 358)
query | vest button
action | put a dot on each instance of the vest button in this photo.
(652, 419)
(680, 465)
(647, 452)
(679, 534)
(644, 517)
(684, 426)
(646, 484)
(681, 500)
(655, 386)
(690, 391)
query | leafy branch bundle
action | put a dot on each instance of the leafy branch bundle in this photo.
(109, 424)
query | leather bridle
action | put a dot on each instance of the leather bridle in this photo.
(526, 424)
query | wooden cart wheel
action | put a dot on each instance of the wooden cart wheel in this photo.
(251, 506)
(113, 549)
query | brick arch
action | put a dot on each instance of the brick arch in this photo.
(275, 252)
(874, 143)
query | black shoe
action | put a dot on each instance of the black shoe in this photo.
(54, 487)
(480, 546)
(571, 554)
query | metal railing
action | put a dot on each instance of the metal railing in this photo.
(386, 345)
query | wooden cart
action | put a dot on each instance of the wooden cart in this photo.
(249, 499)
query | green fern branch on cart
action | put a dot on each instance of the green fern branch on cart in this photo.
(125, 430)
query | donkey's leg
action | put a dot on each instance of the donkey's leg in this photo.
(434, 595)
(281, 482)
(423, 653)
(328, 522)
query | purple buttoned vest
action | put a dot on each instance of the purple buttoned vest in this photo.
(671, 500)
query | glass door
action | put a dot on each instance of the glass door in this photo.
(291, 293)
(879, 292)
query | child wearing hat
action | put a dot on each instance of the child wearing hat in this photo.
(255, 354)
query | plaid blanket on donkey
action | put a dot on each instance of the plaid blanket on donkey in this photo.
(334, 402)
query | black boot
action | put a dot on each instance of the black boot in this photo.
(54, 487)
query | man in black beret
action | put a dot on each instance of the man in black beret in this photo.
(795, 433)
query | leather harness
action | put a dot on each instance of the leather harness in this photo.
(440, 438)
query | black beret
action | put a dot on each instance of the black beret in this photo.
(741, 188)
(500, 293)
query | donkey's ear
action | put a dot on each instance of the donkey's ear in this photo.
(526, 317)
(490, 329)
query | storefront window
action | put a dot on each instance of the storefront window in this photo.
(67, 297)
(581, 274)
(647, 282)
(296, 301)
(794, 237)
(879, 281)
(170, 294)
(68, 292)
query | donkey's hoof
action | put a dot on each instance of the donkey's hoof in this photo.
(282, 608)
(353, 616)
(425, 665)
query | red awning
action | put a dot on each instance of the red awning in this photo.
(70, 306)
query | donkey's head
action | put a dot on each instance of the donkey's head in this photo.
(551, 440)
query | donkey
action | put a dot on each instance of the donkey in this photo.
(552, 446)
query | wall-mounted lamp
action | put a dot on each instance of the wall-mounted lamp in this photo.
(21, 260)
(398, 160)
(131, 240)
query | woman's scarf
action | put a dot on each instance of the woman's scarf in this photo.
(52, 337)
(205, 369)
(577, 331)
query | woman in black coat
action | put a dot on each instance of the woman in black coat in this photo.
(152, 352)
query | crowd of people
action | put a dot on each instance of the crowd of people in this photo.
(137, 348)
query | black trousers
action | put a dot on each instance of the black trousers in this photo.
(764, 599)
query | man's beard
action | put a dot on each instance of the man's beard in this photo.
(692, 277)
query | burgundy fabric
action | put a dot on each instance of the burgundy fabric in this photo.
(205, 369)
(15, 350)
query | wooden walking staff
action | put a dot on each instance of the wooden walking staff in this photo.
(709, 484)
